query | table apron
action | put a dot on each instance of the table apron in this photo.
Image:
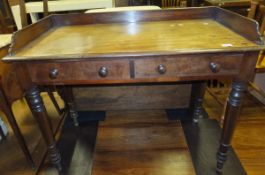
(135, 70)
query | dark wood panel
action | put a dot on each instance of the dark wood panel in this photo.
(188, 65)
(74, 71)
(132, 16)
(30, 33)
(231, 20)
(145, 69)
(132, 97)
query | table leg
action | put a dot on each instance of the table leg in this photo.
(197, 94)
(39, 112)
(69, 100)
(231, 115)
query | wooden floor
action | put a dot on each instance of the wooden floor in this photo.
(137, 143)
(249, 140)
(249, 137)
(12, 161)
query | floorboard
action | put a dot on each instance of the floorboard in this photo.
(248, 142)
(141, 144)
(12, 160)
(203, 141)
(249, 138)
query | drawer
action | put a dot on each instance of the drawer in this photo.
(188, 66)
(87, 71)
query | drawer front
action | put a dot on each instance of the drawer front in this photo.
(87, 71)
(188, 66)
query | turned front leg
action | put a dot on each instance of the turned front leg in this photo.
(231, 115)
(39, 112)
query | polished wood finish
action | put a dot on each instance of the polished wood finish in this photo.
(231, 45)
(170, 36)
(232, 107)
(70, 71)
(128, 143)
(39, 111)
(232, 113)
(119, 71)
(186, 66)
(132, 97)
(38, 48)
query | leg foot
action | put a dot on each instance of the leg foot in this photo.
(231, 115)
(221, 157)
(55, 157)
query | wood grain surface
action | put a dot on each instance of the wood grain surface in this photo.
(131, 144)
(135, 37)
(117, 69)
(133, 97)
(249, 142)
(135, 33)
(187, 65)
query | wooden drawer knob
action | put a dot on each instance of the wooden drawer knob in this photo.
(103, 71)
(215, 67)
(54, 73)
(161, 69)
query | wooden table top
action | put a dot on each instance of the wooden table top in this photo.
(136, 33)
(161, 36)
